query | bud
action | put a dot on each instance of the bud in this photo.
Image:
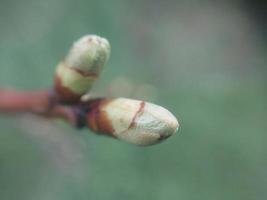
(134, 121)
(81, 67)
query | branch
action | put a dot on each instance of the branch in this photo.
(134, 121)
(42, 103)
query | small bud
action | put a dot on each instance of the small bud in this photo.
(81, 67)
(134, 121)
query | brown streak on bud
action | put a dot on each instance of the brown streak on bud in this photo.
(83, 73)
(97, 118)
(140, 110)
(65, 95)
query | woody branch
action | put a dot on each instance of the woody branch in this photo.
(36, 102)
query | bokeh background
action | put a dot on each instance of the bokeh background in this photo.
(203, 60)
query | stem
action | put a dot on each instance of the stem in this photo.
(37, 102)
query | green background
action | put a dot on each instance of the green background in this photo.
(204, 61)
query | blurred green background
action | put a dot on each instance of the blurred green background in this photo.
(204, 61)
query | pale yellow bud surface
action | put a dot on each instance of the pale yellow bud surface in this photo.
(89, 54)
(83, 65)
(139, 122)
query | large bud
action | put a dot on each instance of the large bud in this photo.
(134, 121)
(81, 67)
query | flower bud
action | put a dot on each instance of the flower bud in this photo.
(81, 67)
(134, 121)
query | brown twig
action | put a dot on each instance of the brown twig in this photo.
(37, 102)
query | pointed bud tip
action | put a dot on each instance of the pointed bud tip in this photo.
(90, 53)
(88, 41)
(159, 121)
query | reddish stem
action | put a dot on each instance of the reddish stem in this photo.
(37, 102)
